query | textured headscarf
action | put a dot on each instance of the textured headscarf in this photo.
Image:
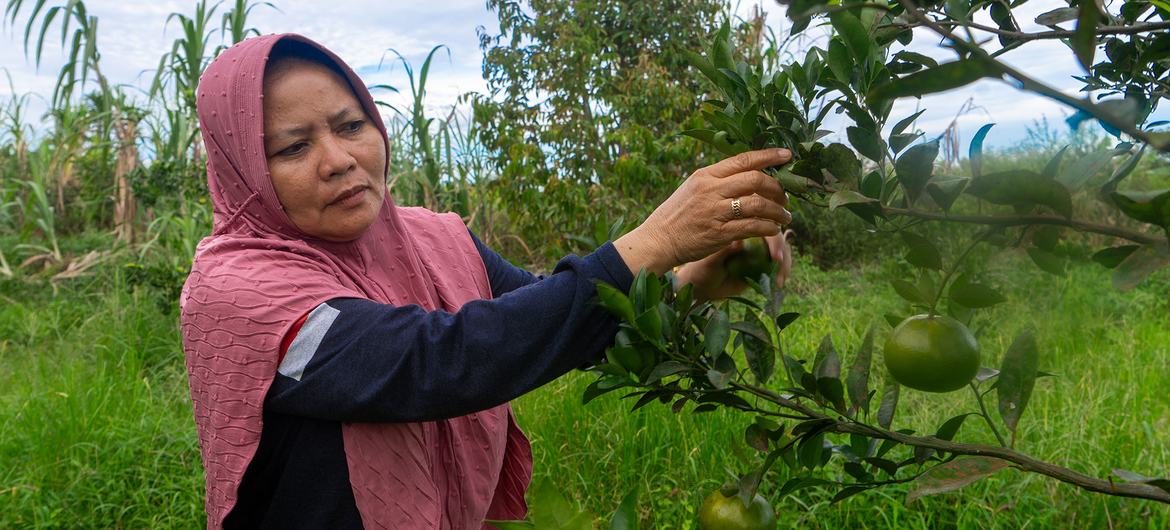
(257, 273)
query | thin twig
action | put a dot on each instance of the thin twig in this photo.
(986, 416)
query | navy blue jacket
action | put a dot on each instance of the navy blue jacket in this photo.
(441, 365)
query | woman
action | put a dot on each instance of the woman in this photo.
(350, 361)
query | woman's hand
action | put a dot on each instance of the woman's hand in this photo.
(711, 280)
(698, 219)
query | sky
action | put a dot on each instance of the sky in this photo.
(363, 32)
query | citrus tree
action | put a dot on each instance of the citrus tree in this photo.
(816, 413)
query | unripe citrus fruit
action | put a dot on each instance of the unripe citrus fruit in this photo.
(932, 353)
(720, 512)
(751, 261)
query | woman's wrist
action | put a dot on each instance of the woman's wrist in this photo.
(641, 252)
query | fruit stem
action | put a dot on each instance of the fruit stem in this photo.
(986, 416)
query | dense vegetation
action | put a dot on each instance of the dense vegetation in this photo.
(103, 199)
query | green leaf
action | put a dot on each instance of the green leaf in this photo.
(864, 207)
(856, 38)
(866, 142)
(945, 77)
(1146, 206)
(721, 48)
(957, 9)
(796, 484)
(846, 197)
(833, 391)
(547, 508)
(902, 125)
(909, 56)
(889, 404)
(757, 438)
(1022, 188)
(649, 324)
(890, 467)
(840, 63)
(716, 334)
(973, 295)
(1052, 168)
(757, 350)
(1017, 376)
(1057, 16)
(665, 369)
(1111, 257)
(785, 318)
(1084, 39)
(910, 292)
(1048, 261)
(953, 475)
(950, 428)
(858, 379)
(626, 515)
(975, 153)
(946, 190)
(848, 492)
(840, 161)
(721, 374)
(1139, 265)
(1129, 476)
(922, 253)
(615, 301)
(703, 65)
(809, 450)
(915, 167)
(1087, 169)
(871, 185)
(898, 142)
(624, 356)
(827, 363)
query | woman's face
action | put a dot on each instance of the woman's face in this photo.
(327, 161)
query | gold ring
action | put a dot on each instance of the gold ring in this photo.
(736, 209)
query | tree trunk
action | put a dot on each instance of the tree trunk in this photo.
(126, 161)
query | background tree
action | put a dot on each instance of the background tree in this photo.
(585, 99)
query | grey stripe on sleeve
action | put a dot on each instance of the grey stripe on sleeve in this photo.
(301, 351)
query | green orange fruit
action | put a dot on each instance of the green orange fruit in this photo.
(932, 353)
(751, 261)
(722, 512)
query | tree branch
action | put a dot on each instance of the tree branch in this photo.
(1043, 35)
(1022, 461)
(1022, 220)
(1010, 220)
(1032, 85)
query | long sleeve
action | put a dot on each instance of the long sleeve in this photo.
(502, 275)
(358, 360)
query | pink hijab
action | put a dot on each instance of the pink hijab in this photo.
(256, 274)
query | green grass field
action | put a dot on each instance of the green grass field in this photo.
(96, 429)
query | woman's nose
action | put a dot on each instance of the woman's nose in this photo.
(335, 158)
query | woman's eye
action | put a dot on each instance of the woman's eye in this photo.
(293, 149)
(354, 126)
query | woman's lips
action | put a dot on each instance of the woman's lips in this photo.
(351, 199)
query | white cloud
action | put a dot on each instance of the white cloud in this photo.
(132, 39)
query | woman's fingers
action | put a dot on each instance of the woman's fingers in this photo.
(749, 161)
(754, 206)
(754, 227)
(749, 182)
